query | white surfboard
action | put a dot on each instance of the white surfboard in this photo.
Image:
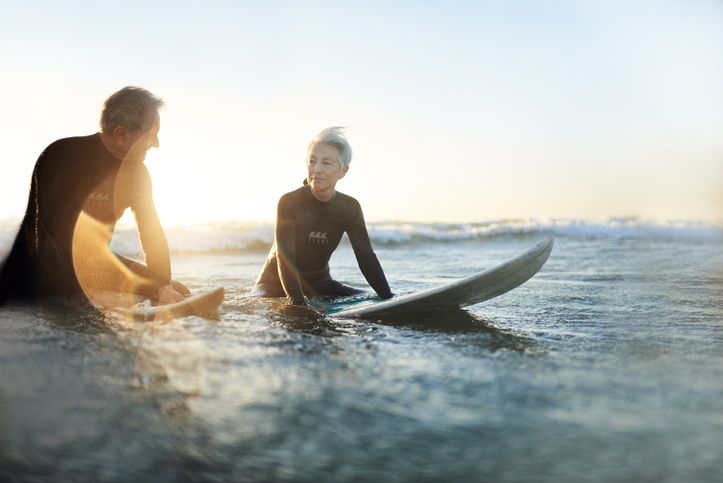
(203, 305)
(465, 292)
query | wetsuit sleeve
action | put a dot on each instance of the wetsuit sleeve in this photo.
(285, 237)
(150, 231)
(53, 209)
(366, 258)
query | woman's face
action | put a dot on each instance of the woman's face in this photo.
(324, 168)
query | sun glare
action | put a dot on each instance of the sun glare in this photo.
(105, 281)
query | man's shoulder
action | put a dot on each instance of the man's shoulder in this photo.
(74, 143)
(77, 140)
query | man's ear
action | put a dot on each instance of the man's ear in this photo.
(119, 134)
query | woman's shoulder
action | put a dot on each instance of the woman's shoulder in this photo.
(347, 200)
(293, 195)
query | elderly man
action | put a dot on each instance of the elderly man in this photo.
(310, 223)
(89, 181)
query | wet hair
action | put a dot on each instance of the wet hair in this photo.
(334, 136)
(132, 107)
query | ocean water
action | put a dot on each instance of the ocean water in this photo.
(606, 366)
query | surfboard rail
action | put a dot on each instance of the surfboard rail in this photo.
(464, 292)
(203, 305)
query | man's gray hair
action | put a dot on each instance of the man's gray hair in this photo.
(334, 136)
(132, 107)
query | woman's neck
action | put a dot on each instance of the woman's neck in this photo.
(325, 196)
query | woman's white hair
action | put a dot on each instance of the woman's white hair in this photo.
(334, 136)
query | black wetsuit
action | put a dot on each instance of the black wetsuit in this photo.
(66, 178)
(307, 233)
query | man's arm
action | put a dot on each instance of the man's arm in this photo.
(155, 281)
(150, 231)
(153, 238)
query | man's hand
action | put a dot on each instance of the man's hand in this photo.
(168, 295)
(180, 288)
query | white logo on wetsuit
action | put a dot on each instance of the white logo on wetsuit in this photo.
(317, 237)
(100, 199)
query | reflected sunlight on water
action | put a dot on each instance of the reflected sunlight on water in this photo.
(605, 366)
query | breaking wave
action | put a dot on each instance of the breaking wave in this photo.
(243, 236)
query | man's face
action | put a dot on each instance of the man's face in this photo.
(140, 142)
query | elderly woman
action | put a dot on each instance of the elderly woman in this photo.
(309, 225)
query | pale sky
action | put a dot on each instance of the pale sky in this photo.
(457, 111)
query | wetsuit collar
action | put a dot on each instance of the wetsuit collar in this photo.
(307, 189)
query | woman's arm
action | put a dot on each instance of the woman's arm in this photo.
(285, 238)
(366, 258)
